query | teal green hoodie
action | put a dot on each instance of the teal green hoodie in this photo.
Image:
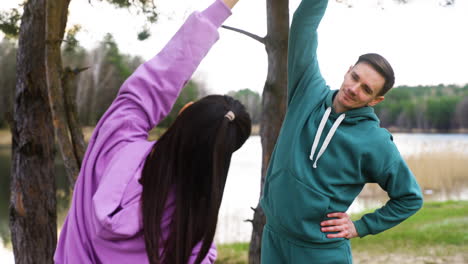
(306, 180)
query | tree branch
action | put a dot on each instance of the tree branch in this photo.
(248, 34)
(55, 22)
(71, 110)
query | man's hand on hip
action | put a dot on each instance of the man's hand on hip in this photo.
(342, 224)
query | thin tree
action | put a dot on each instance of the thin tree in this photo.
(273, 101)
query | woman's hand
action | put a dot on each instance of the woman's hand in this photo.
(343, 225)
(230, 3)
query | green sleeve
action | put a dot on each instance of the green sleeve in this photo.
(303, 66)
(405, 200)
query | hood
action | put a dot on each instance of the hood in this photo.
(350, 117)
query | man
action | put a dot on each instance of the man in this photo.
(329, 147)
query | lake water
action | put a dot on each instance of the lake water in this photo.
(243, 184)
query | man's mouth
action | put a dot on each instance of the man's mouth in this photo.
(347, 97)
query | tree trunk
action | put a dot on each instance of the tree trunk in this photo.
(71, 108)
(56, 20)
(274, 103)
(32, 203)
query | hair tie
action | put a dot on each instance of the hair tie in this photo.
(230, 115)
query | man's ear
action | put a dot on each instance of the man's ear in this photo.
(376, 100)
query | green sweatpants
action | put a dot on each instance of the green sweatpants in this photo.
(278, 250)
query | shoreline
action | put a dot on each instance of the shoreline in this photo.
(427, 131)
(5, 135)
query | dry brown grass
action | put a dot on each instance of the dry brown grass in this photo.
(440, 170)
(87, 132)
(5, 137)
(153, 134)
(441, 175)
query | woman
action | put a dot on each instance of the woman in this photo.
(137, 201)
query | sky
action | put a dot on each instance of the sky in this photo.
(427, 44)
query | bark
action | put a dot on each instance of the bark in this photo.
(273, 104)
(32, 202)
(71, 108)
(56, 20)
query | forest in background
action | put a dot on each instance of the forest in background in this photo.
(97, 86)
(441, 108)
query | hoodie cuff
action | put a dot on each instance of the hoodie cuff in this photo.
(361, 228)
(217, 13)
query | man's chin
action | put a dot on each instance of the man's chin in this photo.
(347, 105)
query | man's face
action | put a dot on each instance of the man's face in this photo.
(360, 88)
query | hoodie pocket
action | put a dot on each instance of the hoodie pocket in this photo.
(297, 208)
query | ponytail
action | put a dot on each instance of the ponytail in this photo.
(191, 160)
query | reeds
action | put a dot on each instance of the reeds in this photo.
(441, 175)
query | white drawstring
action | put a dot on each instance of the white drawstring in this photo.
(319, 132)
(329, 135)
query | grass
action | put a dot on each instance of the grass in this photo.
(440, 170)
(439, 229)
(154, 134)
(5, 136)
(235, 253)
(438, 226)
(443, 175)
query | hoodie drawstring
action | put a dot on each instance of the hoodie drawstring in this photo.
(329, 135)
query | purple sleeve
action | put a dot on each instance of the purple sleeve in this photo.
(143, 100)
(148, 95)
(209, 258)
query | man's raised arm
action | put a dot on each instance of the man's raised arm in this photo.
(302, 51)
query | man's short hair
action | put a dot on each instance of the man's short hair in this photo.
(381, 65)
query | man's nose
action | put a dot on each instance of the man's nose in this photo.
(353, 89)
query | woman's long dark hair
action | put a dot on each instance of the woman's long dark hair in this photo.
(190, 161)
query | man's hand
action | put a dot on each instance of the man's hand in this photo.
(343, 225)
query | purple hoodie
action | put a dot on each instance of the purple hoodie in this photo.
(104, 223)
